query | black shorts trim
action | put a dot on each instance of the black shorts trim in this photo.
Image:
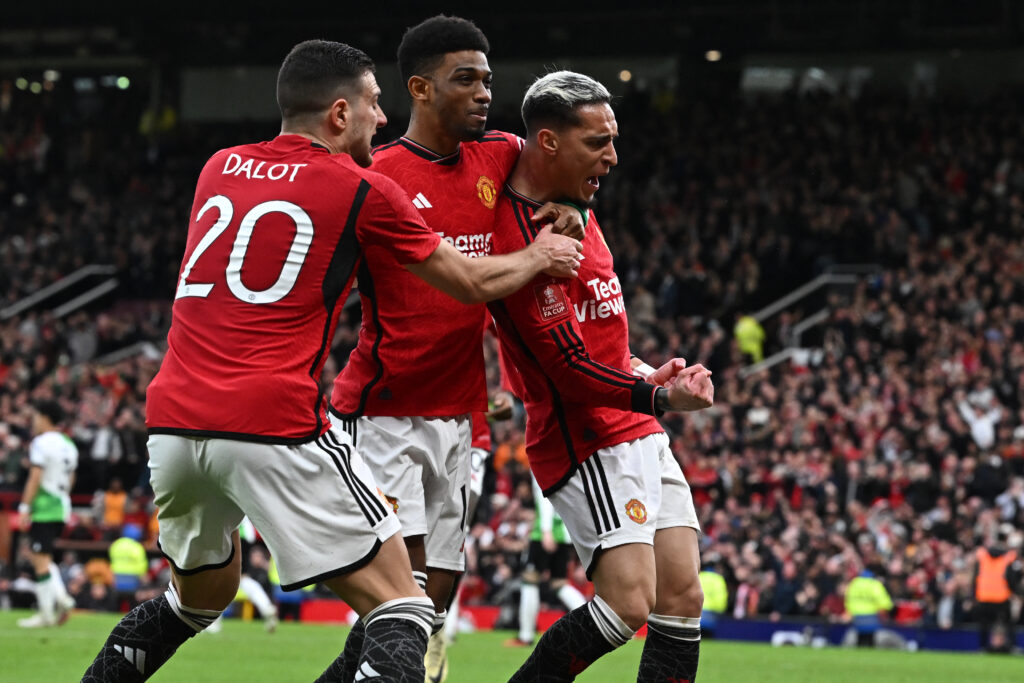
(43, 536)
(561, 482)
(358, 564)
(197, 570)
(557, 563)
(598, 551)
(239, 436)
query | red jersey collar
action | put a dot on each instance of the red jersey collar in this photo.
(429, 154)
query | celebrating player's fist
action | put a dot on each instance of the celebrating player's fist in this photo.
(691, 389)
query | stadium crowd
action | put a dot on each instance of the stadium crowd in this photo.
(898, 447)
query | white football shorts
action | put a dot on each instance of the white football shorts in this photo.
(623, 494)
(477, 471)
(421, 465)
(315, 504)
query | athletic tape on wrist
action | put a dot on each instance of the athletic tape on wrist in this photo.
(643, 370)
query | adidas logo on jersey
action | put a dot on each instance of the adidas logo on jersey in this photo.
(420, 202)
(366, 671)
(135, 656)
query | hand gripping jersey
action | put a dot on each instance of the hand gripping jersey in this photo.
(419, 350)
(569, 341)
(276, 233)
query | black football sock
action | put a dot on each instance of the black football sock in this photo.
(344, 668)
(394, 643)
(146, 638)
(573, 643)
(671, 651)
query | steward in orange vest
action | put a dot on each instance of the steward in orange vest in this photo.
(996, 577)
(992, 583)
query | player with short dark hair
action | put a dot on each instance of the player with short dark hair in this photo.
(592, 439)
(425, 45)
(311, 78)
(44, 510)
(417, 372)
(236, 416)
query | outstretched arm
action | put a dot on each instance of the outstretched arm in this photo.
(476, 280)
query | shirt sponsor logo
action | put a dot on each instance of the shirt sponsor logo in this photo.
(550, 301)
(470, 245)
(636, 510)
(606, 303)
(486, 191)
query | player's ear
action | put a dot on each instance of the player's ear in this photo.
(547, 139)
(419, 87)
(338, 115)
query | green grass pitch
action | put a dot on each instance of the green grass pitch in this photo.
(299, 652)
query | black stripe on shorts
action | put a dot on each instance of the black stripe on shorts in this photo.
(607, 490)
(585, 478)
(599, 497)
(371, 499)
(373, 516)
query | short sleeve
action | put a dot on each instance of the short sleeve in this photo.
(389, 220)
(37, 453)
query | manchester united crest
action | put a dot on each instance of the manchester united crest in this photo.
(392, 500)
(636, 511)
(486, 192)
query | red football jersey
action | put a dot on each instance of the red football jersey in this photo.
(420, 351)
(276, 232)
(569, 341)
(481, 431)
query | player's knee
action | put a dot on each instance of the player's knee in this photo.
(530, 576)
(220, 598)
(687, 600)
(212, 592)
(633, 606)
(692, 600)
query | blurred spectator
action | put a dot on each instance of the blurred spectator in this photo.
(716, 599)
(750, 337)
(866, 600)
(128, 561)
(112, 504)
(997, 575)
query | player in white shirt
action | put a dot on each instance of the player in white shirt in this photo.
(44, 509)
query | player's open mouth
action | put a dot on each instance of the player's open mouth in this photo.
(593, 182)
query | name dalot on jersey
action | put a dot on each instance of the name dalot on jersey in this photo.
(259, 170)
(472, 246)
(551, 301)
(607, 300)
